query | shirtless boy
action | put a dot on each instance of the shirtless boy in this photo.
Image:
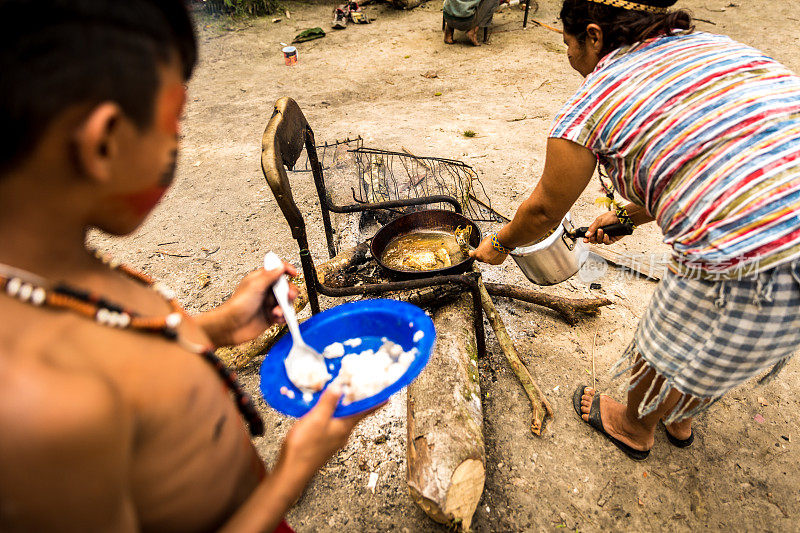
(110, 417)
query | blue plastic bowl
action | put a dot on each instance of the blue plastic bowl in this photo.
(370, 320)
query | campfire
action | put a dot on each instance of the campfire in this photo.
(399, 192)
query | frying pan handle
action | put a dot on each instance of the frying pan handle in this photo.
(612, 230)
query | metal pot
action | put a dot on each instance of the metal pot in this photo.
(559, 257)
(553, 260)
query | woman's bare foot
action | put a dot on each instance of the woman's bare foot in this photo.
(472, 35)
(448, 34)
(681, 430)
(616, 421)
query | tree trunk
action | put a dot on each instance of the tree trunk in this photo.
(446, 455)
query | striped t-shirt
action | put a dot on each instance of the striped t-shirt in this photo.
(703, 132)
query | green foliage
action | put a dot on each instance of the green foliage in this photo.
(250, 8)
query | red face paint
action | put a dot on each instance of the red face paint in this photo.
(169, 109)
(142, 202)
(168, 113)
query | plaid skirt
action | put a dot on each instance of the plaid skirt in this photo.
(706, 337)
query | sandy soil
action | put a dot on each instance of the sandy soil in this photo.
(220, 218)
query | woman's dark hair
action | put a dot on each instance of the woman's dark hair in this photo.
(59, 53)
(620, 26)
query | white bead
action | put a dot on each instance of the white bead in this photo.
(39, 296)
(103, 316)
(124, 320)
(25, 292)
(174, 320)
(164, 291)
(12, 288)
(113, 319)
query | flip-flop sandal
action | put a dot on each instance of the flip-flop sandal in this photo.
(340, 15)
(597, 424)
(675, 441)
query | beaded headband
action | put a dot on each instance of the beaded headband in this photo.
(633, 6)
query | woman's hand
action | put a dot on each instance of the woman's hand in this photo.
(596, 235)
(249, 311)
(485, 253)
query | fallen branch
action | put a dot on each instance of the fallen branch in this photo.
(568, 308)
(337, 266)
(172, 254)
(435, 296)
(539, 405)
(543, 25)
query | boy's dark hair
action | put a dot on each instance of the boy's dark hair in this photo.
(59, 53)
(620, 26)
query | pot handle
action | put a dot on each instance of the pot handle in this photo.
(612, 230)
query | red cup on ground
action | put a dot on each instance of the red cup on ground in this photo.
(290, 55)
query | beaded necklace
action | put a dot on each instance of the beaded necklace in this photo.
(37, 291)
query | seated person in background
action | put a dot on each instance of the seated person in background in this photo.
(113, 411)
(468, 16)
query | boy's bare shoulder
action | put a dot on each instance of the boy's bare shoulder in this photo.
(65, 418)
(42, 401)
(61, 372)
(73, 397)
(51, 386)
(70, 342)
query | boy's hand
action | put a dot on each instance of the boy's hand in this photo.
(317, 436)
(307, 447)
(249, 311)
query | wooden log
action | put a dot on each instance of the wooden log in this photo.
(348, 258)
(446, 454)
(541, 409)
(569, 308)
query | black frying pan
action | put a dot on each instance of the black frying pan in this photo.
(432, 219)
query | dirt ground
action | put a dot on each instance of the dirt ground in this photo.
(220, 218)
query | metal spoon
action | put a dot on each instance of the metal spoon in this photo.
(305, 366)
